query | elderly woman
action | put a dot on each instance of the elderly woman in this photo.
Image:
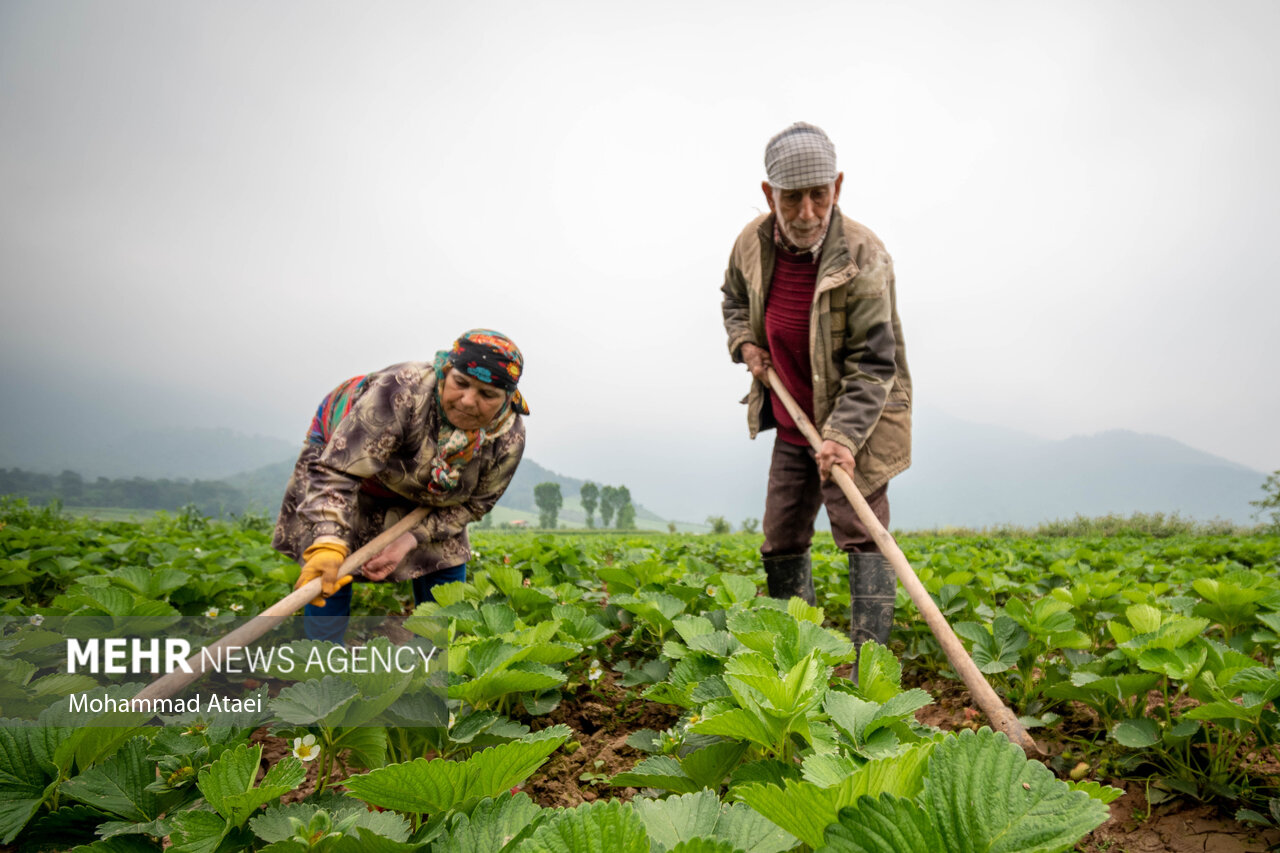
(446, 435)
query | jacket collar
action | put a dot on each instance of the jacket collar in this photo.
(835, 248)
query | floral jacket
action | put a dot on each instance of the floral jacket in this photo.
(375, 470)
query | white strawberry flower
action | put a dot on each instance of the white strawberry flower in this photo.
(211, 613)
(305, 747)
(237, 607)
(36, 619)
(595, 671)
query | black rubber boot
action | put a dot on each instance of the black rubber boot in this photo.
(788, 575)
(872, 587)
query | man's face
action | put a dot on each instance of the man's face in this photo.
(803, 215)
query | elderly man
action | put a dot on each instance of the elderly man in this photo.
(810, 293)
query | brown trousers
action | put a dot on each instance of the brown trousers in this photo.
(795, 495)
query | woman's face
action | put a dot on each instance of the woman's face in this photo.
(469, 403)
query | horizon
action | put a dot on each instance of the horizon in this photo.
(948, 488)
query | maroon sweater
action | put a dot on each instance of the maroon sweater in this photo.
(786, 329)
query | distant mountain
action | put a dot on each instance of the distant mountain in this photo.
(963, 474)
(190, 453)
(968, 474)
(264, 487)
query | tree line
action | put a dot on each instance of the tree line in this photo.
(610, 500)
(211, 497)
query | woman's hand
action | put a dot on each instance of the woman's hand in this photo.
(385, 561)
(322, 560)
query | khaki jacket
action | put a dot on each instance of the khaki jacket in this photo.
(861, 384)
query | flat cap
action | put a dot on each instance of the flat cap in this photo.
(800, 156)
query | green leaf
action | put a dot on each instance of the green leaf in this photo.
(429, 787)
(983, 794)
(1181, 664)
(657, 771)
(1138, 733)
(494, 825)
(879, 673)
(733, 588)
(116, 612)
(282, 823)
(829, 769)
(1105, 794)
(579, 626)
(767, 772)
(119, 785)
(721, 644)
(1218, 711)
(64, 827)
(998, 651)
(1255, 679)
(741, 724)
(805, 810)
(1270, 619)
(25, 780)
(598, 827)
(1144, 618)
(92, 744)
(196, 832)
(689, 627)
(497, 619)
(120, 845)
(885, 824)
(314, 701)
(520, 677)
(710, 765)
(367, 745)
(677, 820)
(159, 828)
(705, 845)
(542, 702)
(898, 709)
(227, 784)
(850, 714)
(150, 582)
(1174, 632)
(802, 809)
(802, 611)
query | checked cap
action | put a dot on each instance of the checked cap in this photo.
(800, 156)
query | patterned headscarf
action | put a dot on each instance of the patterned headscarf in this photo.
(489, 356)
(492, 358)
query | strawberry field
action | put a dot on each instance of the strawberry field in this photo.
(638, 693)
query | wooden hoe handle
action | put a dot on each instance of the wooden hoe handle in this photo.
(1000, 716)
(173, 683)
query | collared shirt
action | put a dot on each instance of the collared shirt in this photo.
(783, 243)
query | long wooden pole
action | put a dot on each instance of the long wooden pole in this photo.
(173, 683)
(997, 712)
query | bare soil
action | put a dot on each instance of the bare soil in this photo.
(602, 716)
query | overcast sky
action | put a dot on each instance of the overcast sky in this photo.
(211, 213)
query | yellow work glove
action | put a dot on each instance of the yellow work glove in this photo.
(323, 561)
